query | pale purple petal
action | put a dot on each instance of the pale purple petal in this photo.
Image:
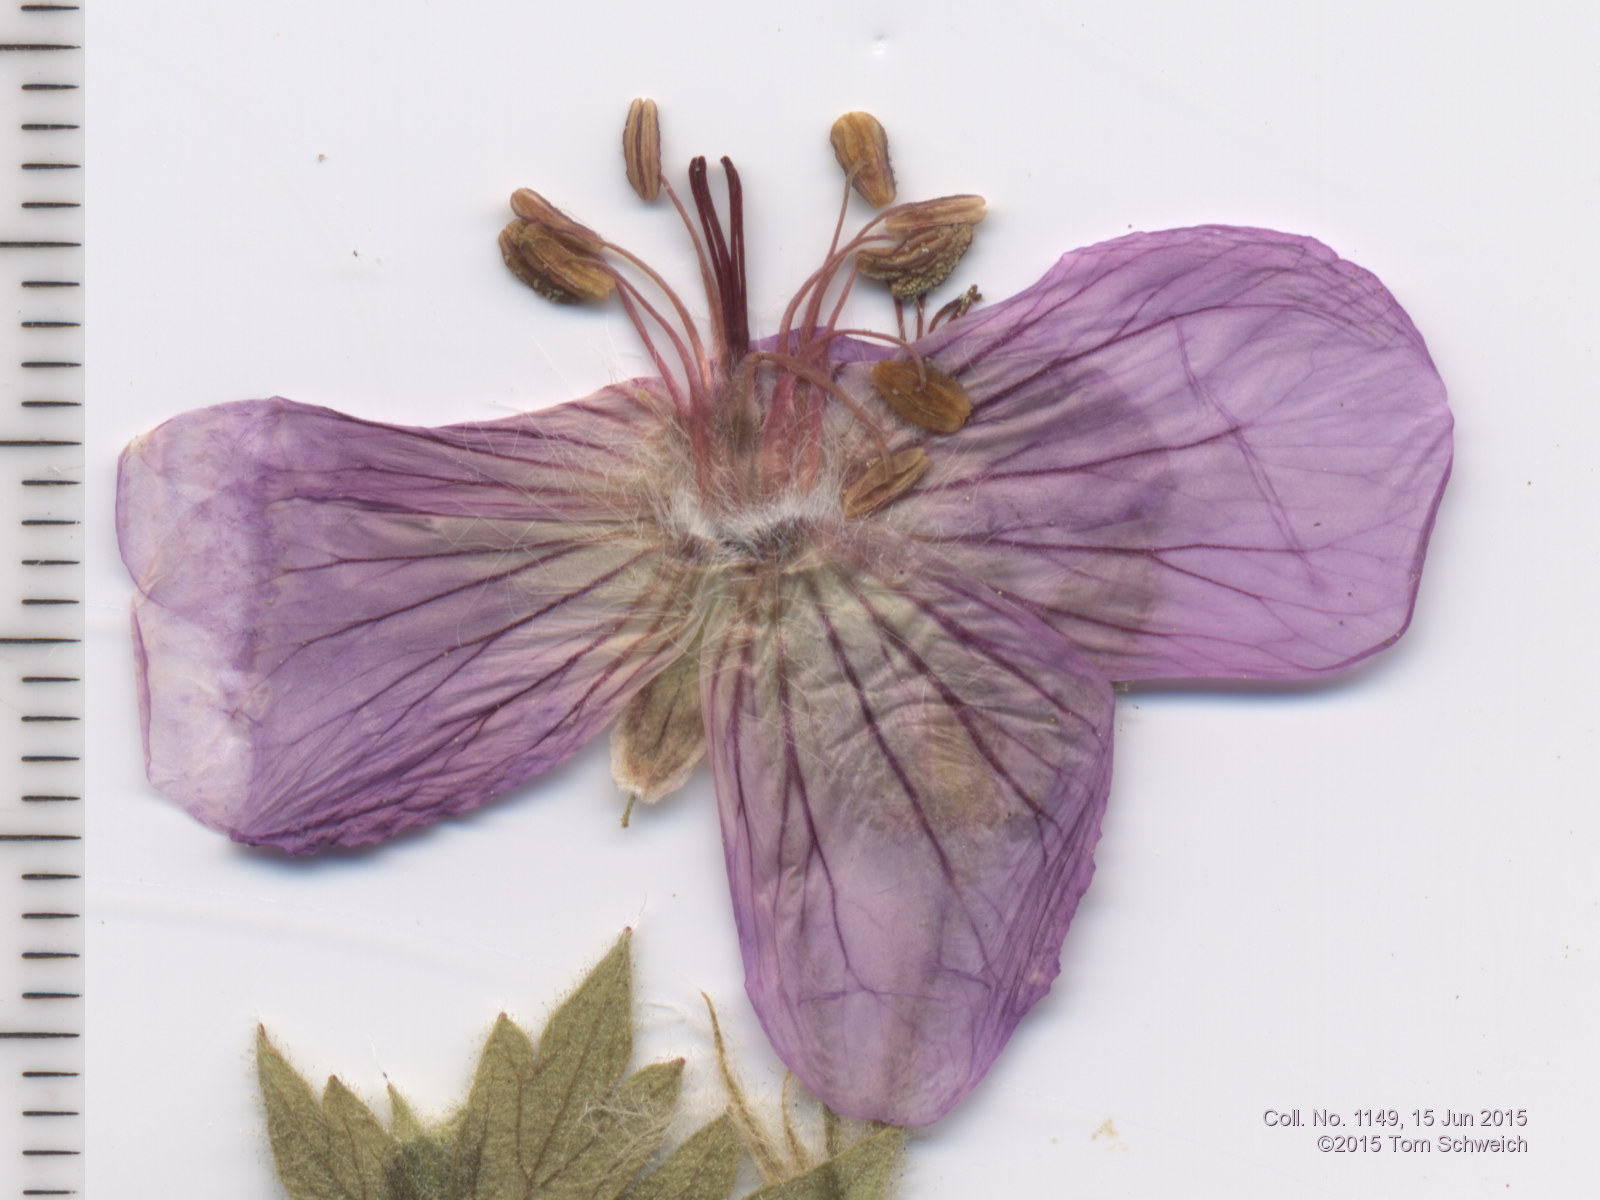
(1208, 452)
(911, 774)
(347, 629)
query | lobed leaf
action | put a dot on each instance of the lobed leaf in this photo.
(615, 1137)
(863, 1172)
(485, 1165)
(332, 1151)
(421, 1169)
(564, 1124)
(583, 1051)
(704, 1168)
(360, 1150)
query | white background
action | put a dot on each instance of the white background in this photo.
(1378, 892)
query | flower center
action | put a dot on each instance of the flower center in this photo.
(764, 425)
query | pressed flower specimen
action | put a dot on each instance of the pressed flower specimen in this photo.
(884, 582)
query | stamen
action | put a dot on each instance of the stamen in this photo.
(817, 283)
(700, 360)
(838, 305)
(875, 336)
(883, 481)
(632, 302)
(819, 379)
(923, 394)
(844, 208)
(707, 280)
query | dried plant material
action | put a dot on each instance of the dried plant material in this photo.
(863, 1172)
(561, 1122)
(533, 208)
(552, 268)
(704, 1168)
(661, 736)
(920, 263)
(862, 148)
(565, 1118)
(421, 1171)
(1198, 453)
(335, 1150)
(765, 1150)
(959, 307)
(641, 149)
(875, 486)
(922, 394)
(964, 209)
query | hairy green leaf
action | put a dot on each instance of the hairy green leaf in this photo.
(564, 1124)
(703, 1168)
(560, 1122)
(421, 1169)
(863, 1172)
(582, 1053)
(332, 1151)
(615, 1137)
(359, 1149)
(485, 1164)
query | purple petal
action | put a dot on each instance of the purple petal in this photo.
(1203, 453)
(911, 774)
(347, 629)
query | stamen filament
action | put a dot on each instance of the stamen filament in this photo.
(707, 279)
(838, 305)
(823, 275)
(632, 302)
(820, 379)
(700, 358)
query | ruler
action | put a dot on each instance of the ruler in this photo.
(41, 614)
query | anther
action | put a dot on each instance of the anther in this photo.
(877, 485)
(552, 268)
(641, 149)
(922, 394)
(920, 263)
(862, 148)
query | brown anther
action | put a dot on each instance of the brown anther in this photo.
(875, 486)
(920, 263)
(551, 267)
(862, 148)
(641, 149)
(536, 210)
(925, 395)
(929, 214)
